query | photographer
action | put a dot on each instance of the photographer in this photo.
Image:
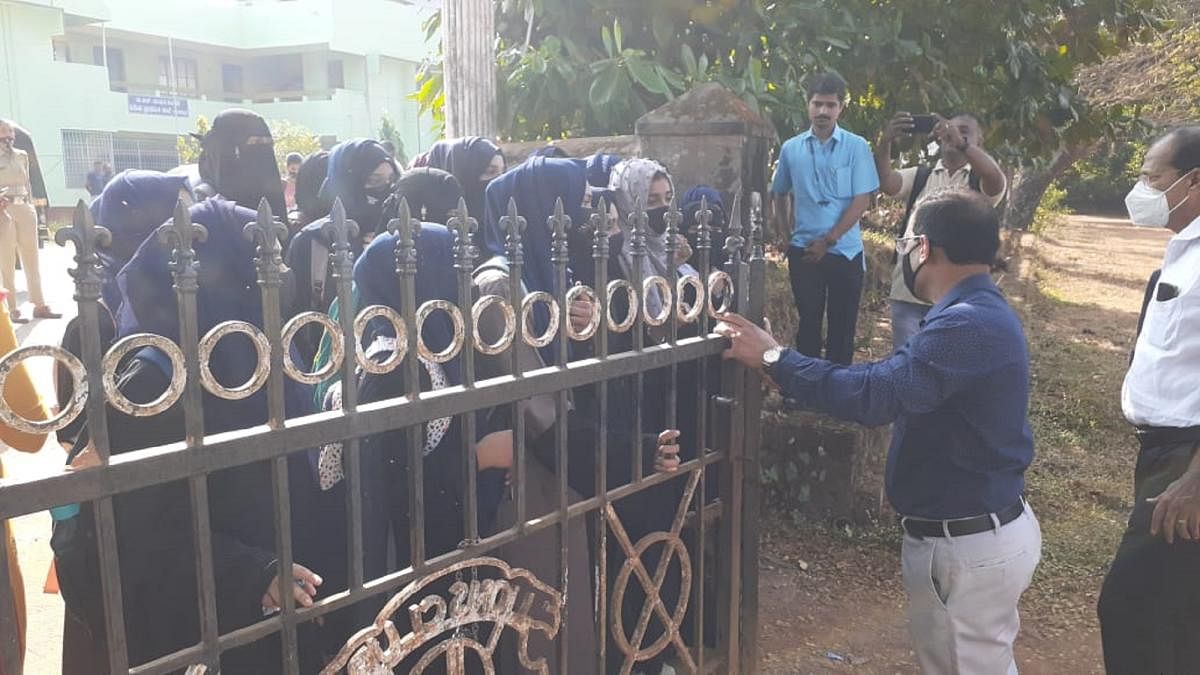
(962, 163)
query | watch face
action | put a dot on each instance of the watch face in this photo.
(771, 356)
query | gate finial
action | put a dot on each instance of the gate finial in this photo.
(514, 224)
(598, 222)
(463, 226)
(405, 227)
(181, 234)
(268, 233)
(734, 241)
(86, 235)
(559, 223)
(339, 229)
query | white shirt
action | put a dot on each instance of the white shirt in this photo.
(1161, 388)
(939, 179)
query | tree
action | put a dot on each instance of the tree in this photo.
(389, 132)
(289, 137)
(583, 67)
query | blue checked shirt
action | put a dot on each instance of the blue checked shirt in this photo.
(958, 394)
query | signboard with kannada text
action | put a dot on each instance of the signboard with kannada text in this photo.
(158, 105)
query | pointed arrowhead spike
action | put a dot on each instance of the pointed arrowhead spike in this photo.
(512, 208)
(338, 210)
(264, 210)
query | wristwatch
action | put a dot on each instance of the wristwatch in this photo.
(771, 357)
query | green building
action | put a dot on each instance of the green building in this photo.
(119, 80)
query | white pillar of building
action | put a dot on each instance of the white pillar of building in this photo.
(469, 67)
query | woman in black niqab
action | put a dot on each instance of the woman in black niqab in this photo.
(237, 162)
(474, 161)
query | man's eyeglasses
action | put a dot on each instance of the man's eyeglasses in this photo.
(905, 245)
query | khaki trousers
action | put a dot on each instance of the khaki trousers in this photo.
(18, 236)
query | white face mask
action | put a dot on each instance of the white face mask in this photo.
(1148, 207)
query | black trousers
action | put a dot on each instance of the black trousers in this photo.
(1150, 603)
(829, 289)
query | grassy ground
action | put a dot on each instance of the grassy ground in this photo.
(1078, 288)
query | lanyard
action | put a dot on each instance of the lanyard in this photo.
(823, 198)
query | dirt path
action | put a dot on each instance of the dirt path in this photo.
(831, 600)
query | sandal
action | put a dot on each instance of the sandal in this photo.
(44, 312)
(15, 316)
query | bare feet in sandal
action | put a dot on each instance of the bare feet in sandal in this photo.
(44, 312)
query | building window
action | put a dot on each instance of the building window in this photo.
(337, 74)
(232, 78)
(82, 147)
(62, 51)
(186, 74)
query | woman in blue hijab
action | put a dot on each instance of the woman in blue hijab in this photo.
(154, 525)
(475, 162)
(362, 174)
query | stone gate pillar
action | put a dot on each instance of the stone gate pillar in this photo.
(469, 63)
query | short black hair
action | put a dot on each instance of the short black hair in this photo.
(968, 115)
(1185, 147)
(294, 158)
(829, 84)
(961, 222)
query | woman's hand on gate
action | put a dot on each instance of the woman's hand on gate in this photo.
(666, 460)
(303, 584)
(580, 311)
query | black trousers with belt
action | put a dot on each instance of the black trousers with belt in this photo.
(1150, 603)
(830, 288)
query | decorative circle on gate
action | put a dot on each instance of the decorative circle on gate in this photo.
(336, 349)
(456, 317)
(360, 327)
(262, 347)
(631, 316)
(69, 412)
(584, 292)
(690, 314)
(510, 324)
(665, 291)
(109, 371)
(527, 304)
(633, 565)
(719, 279)
(452, 612)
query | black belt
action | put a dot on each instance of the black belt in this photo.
(921, 528)
(1157, 437)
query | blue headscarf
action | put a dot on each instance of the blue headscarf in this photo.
(376, 283)
(131, 206)
(599, 168)
(466, 158)
(350, 164)
(228, 290)
(691, 208)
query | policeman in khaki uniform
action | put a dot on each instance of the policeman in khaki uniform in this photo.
(18, 227)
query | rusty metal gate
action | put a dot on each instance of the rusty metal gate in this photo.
(727, 433)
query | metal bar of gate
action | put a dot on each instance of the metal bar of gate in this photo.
(731, 479)
(638, 220)
(85, 235)
(559, 222)
(704, 246)
(600, 253)
(152, 466)
(182, 234)
(270, 234)
(463, 227)
(340, 230)
(514, 225)
(408, 230)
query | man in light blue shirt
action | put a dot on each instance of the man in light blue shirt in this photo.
(830, 175)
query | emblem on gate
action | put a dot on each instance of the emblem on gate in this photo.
(512, 598)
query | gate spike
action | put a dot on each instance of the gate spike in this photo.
(268, 233)
(638, 221)
(514, 224)
(86, 235)
(756, 227)
(704, 225)
(734, 241)
(181, 234)
(406, 230)
(463, 226)
(559, 223)
(340, 230)
(671, 219)
(598, 222)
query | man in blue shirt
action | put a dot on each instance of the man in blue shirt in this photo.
(830, 175)
(958, 396)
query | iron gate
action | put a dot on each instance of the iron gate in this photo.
(727, 436)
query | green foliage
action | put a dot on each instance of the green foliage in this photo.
(1051, 210)
(580, 67)
(1099, 183)
(389, 132)
(289, 137)
(188, 145)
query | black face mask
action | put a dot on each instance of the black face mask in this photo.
(910, 273)
(378, 195)
(657, 219)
